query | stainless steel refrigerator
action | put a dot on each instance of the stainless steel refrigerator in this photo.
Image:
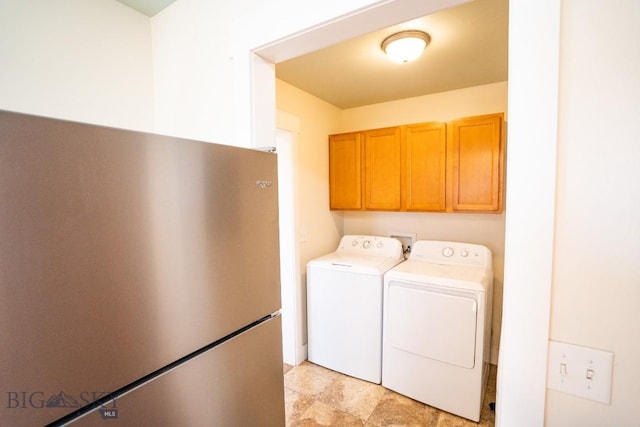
(139, 279)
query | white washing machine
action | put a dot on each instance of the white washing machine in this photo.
(344, 305)
(437, 326)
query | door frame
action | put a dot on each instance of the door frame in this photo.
(530, 194)
(294, 349)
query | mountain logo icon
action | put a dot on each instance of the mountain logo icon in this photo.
(62, 400)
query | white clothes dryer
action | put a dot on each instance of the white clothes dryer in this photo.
(437, 326)
(344, 305)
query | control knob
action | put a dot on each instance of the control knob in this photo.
(447, 252)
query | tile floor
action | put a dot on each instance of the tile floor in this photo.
(316, 396)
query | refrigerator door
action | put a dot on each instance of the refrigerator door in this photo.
(236, 384)
(121, 252)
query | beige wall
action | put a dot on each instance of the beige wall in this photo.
(320, 227)
(485, 229)
(87, 61)
(595, 297)
(194, 70)
(444, 106)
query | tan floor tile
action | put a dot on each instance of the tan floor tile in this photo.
(356, 397)
(320, 414)
(395, 410)
(316, 396)
(309, 379)
(295, 404)
(449, 420)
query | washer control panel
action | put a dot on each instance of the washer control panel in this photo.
(457, 253)
(371, 246)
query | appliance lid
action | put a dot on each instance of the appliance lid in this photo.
(354, 263)
(454, 276)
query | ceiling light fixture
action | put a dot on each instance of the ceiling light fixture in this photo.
(405, 46)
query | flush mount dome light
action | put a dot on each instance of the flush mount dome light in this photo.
(405, 46)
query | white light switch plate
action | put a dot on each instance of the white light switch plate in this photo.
(581, 371)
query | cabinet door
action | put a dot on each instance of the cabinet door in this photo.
(382, 169)
(477, 156)
(424, 151)
(345, 171)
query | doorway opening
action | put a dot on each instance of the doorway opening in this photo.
(533, 98)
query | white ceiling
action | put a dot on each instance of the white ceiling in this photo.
(469, 46)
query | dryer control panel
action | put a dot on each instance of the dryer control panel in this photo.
(455, 253)
(371, 246)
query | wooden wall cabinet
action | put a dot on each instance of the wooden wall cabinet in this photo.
(476, 164)
(364, 170)
(424, 150)
(425, 167)
(382, 169)
(345, 171)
